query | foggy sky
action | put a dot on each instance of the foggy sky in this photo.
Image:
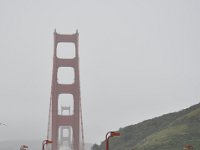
(138, 59)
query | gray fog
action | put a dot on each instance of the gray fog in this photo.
(138, 59)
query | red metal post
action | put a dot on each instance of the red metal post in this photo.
(109, 135)
(45, 142)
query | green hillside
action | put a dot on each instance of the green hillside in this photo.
(168, 132)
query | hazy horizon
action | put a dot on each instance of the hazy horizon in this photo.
(139, 59)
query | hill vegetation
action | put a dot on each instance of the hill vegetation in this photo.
(168, 132)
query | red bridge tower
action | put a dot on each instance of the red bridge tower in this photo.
(60, 122)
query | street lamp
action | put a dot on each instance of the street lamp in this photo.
(45, 142)
(109, 135)
(23, 147)
(2, 124)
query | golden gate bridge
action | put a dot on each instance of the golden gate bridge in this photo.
(65, 125)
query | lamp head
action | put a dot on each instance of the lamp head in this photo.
(47, 141)
(114, 134)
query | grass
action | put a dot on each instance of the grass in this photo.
(163, 136)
